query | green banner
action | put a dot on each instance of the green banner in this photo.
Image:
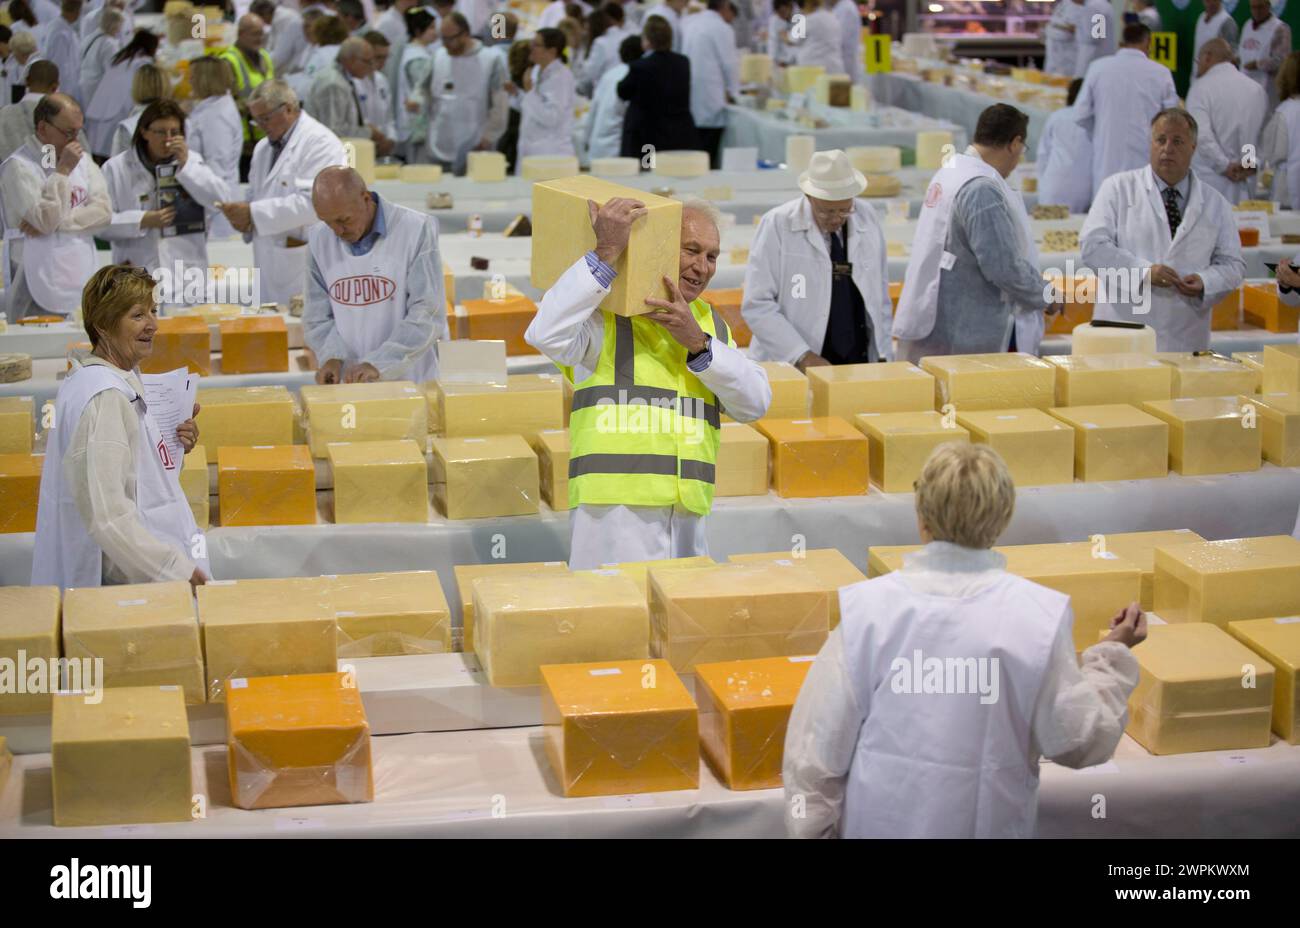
(1180, 16)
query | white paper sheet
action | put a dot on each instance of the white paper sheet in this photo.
(170, 397)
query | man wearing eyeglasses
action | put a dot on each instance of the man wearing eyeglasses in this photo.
(467, 87)
(338, 95)
(53, 198)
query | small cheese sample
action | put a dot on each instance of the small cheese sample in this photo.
(1139, 548)
(1277, 640)
(831, 567)
(298, 741)
(419, 173)
(181, 341)
(608, 733)
(1089, 339)
(901, 443)
(823, 456)
(930, 148)
(735, 612)
(504, 320)
(382, 411)
(547, 167)
(257, 344)
(755, 69)
(1100, 379)
(387, 614)
(525, 404)
(1208, 435)
(799, 78)
(789, 390)
(845, 390)
(15, 366)
(681, 163)
(1190, 696)
(1222, 581)
(146, 634)
(616, 167)
(876, 159)
(639, 571)
(744, 710)
(1208, 375)
(29, 623)
(799, 150)
(742, 464)
(991, 381)
(16, 424)
(1281, 369)
(124, 760)
(485, 166)
(466, 574)
(244, 416)
(260, 628)
(1278, 418)
(484, 477)
(1037, 448)
(379, 481)
(20, 490)
(266, 485)
(195, 484)
(561, 619)
(1060, 240)
(552, 447)
(1116, 442)
(728, 302)
(1261, 307)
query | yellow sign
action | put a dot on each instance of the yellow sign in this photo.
(876, 48)
(1164, 49)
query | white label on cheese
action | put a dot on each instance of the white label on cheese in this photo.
(298, 824)
(475, 441)
(608, 572)
(552, 563)
(1289, 620)
(785, 562)
(801, 422)
(1108, 555)
(170, 688)
(1236, 760)
(265, 447)
(553, 431)
(346, 614)
(128, 831)
(238, 683)
(131, 602)
(803, 658)
(605, 672)
(409, 390)
(1090, 425)
(1008, 417)
(1183, 531)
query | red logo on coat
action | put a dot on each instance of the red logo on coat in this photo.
(932, 195)
(165, 456)
(361, 290)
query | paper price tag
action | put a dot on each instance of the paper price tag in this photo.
(636, 801)
(803, 659)
(132, 602)
(298, 824)
(238, 683)
(1289, 620)
(605, 672)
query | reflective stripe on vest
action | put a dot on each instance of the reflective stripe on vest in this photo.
(247, 80)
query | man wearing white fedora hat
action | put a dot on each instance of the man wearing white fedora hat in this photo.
(816, 287)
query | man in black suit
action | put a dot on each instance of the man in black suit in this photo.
(658, 94)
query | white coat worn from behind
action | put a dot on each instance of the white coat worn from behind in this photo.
(710, 43)
(1229, 111)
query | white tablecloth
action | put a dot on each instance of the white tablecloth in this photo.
(767, 132)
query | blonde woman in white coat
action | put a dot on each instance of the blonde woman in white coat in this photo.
(215, 130)
(547, 100)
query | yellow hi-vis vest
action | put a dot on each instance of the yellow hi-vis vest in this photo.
(643, 429)
(246, 80)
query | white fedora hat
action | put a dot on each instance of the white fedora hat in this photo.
(831, 176)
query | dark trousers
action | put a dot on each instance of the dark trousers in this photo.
(711, 141)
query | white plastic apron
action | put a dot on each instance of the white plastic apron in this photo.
(457, 123)
(1255, 43)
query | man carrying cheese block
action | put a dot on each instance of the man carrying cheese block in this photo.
(649, 393)
(375, 303)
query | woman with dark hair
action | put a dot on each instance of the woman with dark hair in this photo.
(517, 65)
(413, 72)
(20, 15)
(546, 103)
(112, 100)
(605, 34)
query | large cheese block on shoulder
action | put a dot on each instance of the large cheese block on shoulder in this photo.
(991, 381)
(525, 404)
(385, 614)
(1281, 369)
(1277, 640)
(260, 344)
(244, 416)
(16, 424)
(901, 443)
(382, 411)
(266, 485)
(180, 341)
(562, 234)
(1139, 548)
(845, 390)
(484, 477)
(1208, 435)
(1221, 581)
(123, 760)
(467, 574)
(742, 464)
(1037, 448)
(1277, 416)
(552, 447)
(822, 456)
(379, 481)
(196, 484)
(1116, 442)
(1208, 375)
(831, 567)
(29, 639)
(1099, 379)
(20, 491)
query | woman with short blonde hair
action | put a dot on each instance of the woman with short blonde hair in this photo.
(964, 496)
(216, 130)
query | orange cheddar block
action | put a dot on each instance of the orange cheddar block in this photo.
(266, 485)
(498, 320)
(181, 341)
(822, 456)
(727, 303)
(1226, 314)
(895, 292)
(254, 345)
(1261, 307)
(1079, 294)
(20, 490)
(29, 623)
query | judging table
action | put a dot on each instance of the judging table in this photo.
(748, 127)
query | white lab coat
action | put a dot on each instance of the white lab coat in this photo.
(1058, 38)
(477, 13)
(110, 103)
(1088, 48)
(97, 53)
(467, 103)
(850, 20)
(1279, 140)
(1119, 98)
(319, 58)
(216, 132)
(287, 40)
(280, 199)
(822, 44)
(90, 21)
(779, 47)
(789, 243)
(602, 56)
(1127, 227)
(1221, 25)
(1229, 111)
(1257, 45)
(17, 123)
(413, 85)
(62, 45)
(605, 118)
(1064, 162)
(546, 114)
(715, 67)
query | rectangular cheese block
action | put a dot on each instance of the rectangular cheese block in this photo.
(181, 341)
(831, 567)
(298, 741)
(680, 163)
(196, 484)
(124, 760)
(1261, 307)
(485, 166)
(379, 481)
(619, 727)
(266, 485)
(146, 634)
(259, 344)
(419, 173)
(466, 574)
(244, 416)
(930, 148)
(744, 711)
(260, 628)
(736, 611)
(1222, 581)
(1116, 442)
(20, 491)
(728, 302)
(484, 477)
(504, 320)
(547, 167)
(1277, 416)
(382, 411)
(562, 234)
(524, 405)
(387, 614)
(789, 390)
(755, 69)
(1277, 640)
(360, 155)
(1037, 448)
(616, 167)
(561, 619)
(742, 464)
(882, 559)
(1190, 696)
(817, 457)
(1208, 435)
(901, 443)
(1100, 379)
(1208, 375)
(639, 571)
(991, 381)
(552, 447)
(799, 78)
(1079, 293)
(1252, 359)
(1226, 314)
(845, 390)
(29, 640)
(1139, 548)
(16, 424)
(1281, 369)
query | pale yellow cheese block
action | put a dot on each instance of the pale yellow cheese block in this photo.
(379, 481)
(1281, 369)
(1190, 695)
(901, 443)
(755, 69)
(831, 567)
(742, 464)
(1098, 379)
(1140, 548)
(244, 416)
(385, 614)
(1116, 442)
(1222, 581)
(616, 167)
(569, 619)
(1254, 360)
(17, 426)
(525, 405)
(1037, 448)
(847, 389)
(195, 484)
(1208, 375)
(486, 166)
(122, 761)
(552, 447)
(930, 148)
(360, 154)
(883, 559)
(260, 628)
(681, 163)
(789, 390)
(30, 624)
(799, 150)
(147, 634)
(991, 381)
(1088, 339)
(1277, 640)
(387, 170)
(876, 159)
(548, 167)
(639, 571)
(1206, 435)
(1277, 416)
(799, 78)
(466, 574)
(484, 477)
(382, 411)
(419, 173)
(882, 185)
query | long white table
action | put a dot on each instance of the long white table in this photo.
(752, 128)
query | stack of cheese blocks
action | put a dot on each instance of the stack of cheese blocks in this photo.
(250, 343)
(20, 470)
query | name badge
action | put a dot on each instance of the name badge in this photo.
(842, 269)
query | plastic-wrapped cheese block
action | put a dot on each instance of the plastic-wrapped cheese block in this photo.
(876, 159)
(930, 147)
(744, 711)
(504, 319)
(382, 411)
(799, 78)
(1096, 339)
(1277, 640)
(1116, 442)
(1037, 448)
(210, 313)
(639, 571)
(1190, 695)
(620, 727)
(387, 614)
(525, 405)
(419, 173)
(260, 628)
(564, 619)
(244, 416)
(822, 456)
(845, 390)
(361, 156)
(742, 464)
(29, 622)
(386, 170)
(727, 302)
(548, 167)
(799, 150)
(466, 574)
(379, 481)
(485, 166)
(1139, 548)
(20, 490)
(1260, 306)
(552, 447)
(831, 567)
(1226, 314)
(562, 235)
(1208, 375)
(1099, 379)
(789, 390)
(901, 443)
(146, 634)
(1221, 581)
(16, 424)
(883, 559)
(1252, 359)
(196, 484)
(181, 341)
(1278, 418)
(735, 612)
(124, 760)
(298, 741)
(484, 477)
(755, 69)
(991, 381)
(266, 485)
(1207, 435)
(259, 344)
(882, 185)
(1281, 369)
(616, 167)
